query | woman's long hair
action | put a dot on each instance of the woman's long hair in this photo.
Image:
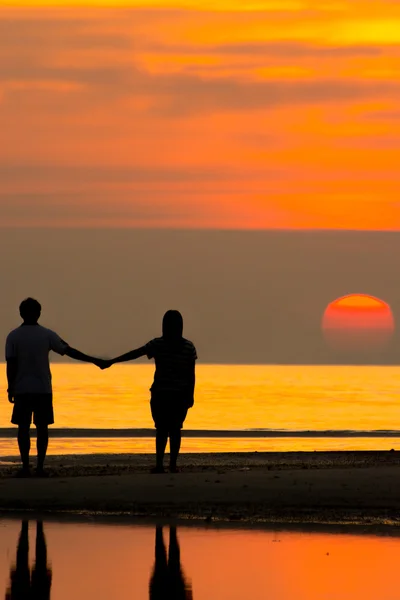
(172, 326)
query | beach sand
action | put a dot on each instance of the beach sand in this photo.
(313, 487)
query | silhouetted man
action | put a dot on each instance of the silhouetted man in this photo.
(29, 380)
(168, 581)
(23, 584)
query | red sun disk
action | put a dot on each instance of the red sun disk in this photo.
(358, 323)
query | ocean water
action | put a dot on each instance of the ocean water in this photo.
(100, 561)
(285, 407)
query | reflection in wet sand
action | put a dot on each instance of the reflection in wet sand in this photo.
(168, 581)
(114, 560)
(27, 584)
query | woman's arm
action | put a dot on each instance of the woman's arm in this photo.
(132, 355)
(192, 385)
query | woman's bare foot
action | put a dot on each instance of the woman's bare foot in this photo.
(41, 473)
(157, 470)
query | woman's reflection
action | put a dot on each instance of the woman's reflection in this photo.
(24, 583)
(168, 581)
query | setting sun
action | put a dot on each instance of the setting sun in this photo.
(358, 323)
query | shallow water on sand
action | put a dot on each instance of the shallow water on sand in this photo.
(85, 561)
(228, 397)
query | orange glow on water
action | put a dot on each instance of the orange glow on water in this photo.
(358, 322)
(228, 397)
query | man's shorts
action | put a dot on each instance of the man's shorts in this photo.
(38, 405)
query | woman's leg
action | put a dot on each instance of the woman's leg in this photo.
(158, 413)
(161, 444)
(175, 432)
(175, 437)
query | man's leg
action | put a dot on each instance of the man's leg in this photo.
(20, 576)
(175, 437)
(42, 441)
(43, 416)
(24, 444)
(22, 416)
(161, 444)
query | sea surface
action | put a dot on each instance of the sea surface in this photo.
(237, 408)
(99, 561)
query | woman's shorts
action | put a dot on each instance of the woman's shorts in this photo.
(168, 410)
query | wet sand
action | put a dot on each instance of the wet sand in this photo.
(313, 487)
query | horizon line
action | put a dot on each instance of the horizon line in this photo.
(231, 364)
(143, 432)
(300, 230)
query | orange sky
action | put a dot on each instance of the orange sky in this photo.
(201, 114)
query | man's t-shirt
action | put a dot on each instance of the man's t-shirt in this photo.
(174, 364)
(30, 346)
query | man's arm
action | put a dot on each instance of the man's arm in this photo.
(61, 347)
(12, 367)
(77, 355)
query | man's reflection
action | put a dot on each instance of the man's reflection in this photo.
(168, 581)
(24, 583)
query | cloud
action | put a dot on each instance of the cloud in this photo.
(275, 49)
(25, 35)
(182, 94)
(49, 194)
(11, 174)
(86, 90)
(44, 52)
(383, 115)
(77, 208)
(100, 209)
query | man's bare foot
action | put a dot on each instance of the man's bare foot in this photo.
(173, 469)
(23, 473)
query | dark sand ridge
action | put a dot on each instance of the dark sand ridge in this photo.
(331, 487)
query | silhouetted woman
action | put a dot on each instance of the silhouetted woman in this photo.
(41, 573)
(172, 392)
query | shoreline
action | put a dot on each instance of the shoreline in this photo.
(292, 487)
(117, 463)
(370, 526)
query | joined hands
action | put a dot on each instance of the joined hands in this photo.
(102, 363)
